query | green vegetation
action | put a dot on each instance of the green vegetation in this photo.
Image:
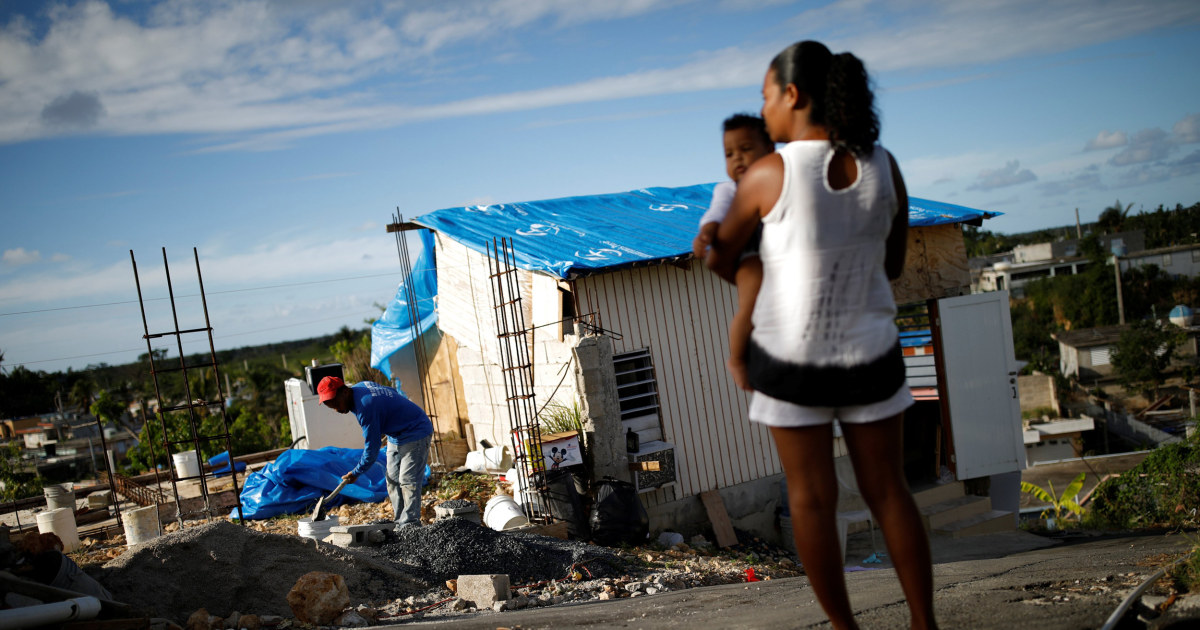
(1162, 491)
(556, 417)
(1037, 412)
(1143, 353)
(1062, 505)
(17, 483)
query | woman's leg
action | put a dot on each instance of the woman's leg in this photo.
(877, 452)
(807, 456)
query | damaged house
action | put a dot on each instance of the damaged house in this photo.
(614, 318)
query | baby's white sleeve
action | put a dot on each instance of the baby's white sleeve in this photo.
(722, 200)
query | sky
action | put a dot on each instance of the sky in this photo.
(273, 140)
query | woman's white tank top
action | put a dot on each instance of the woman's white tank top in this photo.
(825, 298)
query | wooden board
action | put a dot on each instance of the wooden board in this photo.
(935, 265)
(722, 527)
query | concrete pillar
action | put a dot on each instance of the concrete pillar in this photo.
(604, 437)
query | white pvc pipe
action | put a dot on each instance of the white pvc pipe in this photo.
(80, 608)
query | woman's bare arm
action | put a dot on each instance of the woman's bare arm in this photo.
(897, 240)
(756, 195)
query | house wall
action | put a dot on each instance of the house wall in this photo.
(935, 265)
(681, 314)
(1180, 262)
(465, 313)
(1037, 391)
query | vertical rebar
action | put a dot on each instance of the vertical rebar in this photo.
(516, 369)
(419, 356)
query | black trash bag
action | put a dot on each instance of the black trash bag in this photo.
(563, 500)
(618, 515)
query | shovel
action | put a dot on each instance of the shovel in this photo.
(319, 511)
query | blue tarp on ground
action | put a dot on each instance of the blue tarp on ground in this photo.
(394, 329)
(575, 236)
(297, 478)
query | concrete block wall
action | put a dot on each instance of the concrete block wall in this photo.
(1037, 391)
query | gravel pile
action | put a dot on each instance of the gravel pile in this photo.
(456, 504)
(226, 567)
(455, 546)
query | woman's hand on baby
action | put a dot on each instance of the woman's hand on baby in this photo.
(704, 240)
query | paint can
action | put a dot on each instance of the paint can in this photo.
(141, 524)
(316, 530)
(60, 495)
(502, 513)
(61, 523)
(186, 464)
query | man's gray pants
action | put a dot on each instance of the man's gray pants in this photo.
(405, 476)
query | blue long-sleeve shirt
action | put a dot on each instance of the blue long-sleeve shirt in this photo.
(384, 411)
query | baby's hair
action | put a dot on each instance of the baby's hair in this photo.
(840, 90)
(748, 121)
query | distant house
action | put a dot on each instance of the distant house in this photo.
(1026, 263)
(1087, 354)
(619, 320)
(1176, 261)
(1055, 440)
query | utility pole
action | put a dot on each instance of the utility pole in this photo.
(1078, 229)
(1120, 302)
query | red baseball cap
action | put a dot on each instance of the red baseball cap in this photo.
(329, 386)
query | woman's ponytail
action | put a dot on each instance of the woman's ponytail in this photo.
(839, 89)
(850, 105)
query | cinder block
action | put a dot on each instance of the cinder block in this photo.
(483, 591)
(357, 535)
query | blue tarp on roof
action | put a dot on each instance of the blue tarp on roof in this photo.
(575, 236)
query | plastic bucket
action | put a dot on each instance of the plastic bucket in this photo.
(502, 513)
(60, 495)
(186, 464)
(141, 525)
(61, 523)
(316, 530)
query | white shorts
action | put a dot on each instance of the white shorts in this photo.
(780, 413)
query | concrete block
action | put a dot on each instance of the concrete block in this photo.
(357, 535)
(483, 591)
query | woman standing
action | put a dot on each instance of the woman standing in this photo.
(825, 345)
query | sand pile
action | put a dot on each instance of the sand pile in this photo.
(226, 567)
(455, 546)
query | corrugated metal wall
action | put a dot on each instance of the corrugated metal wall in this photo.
(682, 316)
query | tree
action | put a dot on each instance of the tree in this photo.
(1112, 218)
(1143, 353)
(15, 483)
(107, 409)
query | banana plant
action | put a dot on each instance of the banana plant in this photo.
(1058, 504)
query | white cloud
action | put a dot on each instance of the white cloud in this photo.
(1148, 145)
(1106, 140)
(1011, 174)
(270, 73)
(60, 258)
(947, 33)
(1187, 131)
(20, 256)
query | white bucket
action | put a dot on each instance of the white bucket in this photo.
(316, 530)
(141, 525)
(503, 513)
(186, 464)
(61, 523)
(60, 496)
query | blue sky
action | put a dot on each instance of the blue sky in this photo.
(278, 137)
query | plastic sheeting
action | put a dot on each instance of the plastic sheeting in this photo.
(576, 236)
(297, 478)
(394, 329)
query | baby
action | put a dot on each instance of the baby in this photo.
(745, 140)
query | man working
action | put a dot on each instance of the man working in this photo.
(383, 411)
